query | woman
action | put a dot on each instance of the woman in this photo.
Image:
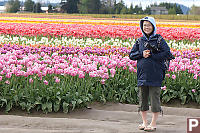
(150, 70)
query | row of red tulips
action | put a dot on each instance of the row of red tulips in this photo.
(94, 31)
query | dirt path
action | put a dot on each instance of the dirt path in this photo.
(109, 118)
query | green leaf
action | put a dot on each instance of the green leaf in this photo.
(65, 107)
(182, 89)
(38, 102)
(56, 107)
(49, 106)
(9, 106)
(73, 104)
(79, 101)
(59, 98)
(165, 92)
(58, 93)
(183, 99)
(44, 106)
(198, 99)
(191, 94)
(4, 100)
(23, 105)
(166, 98)
(15, 98)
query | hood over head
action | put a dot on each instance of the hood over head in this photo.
(152, 21)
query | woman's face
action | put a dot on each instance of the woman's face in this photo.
(147, 27)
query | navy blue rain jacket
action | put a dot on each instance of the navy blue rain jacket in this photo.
(151, 70)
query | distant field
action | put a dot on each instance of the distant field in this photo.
(113, 16)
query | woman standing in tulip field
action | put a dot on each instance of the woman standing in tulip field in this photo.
(150, 70)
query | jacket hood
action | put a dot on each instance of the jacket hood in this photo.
(152, 21)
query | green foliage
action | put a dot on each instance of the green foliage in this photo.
(13, 6)
(172, 11)
(124, 10)
(73, 92)
(138, 9)
(89, 6)
(68, 94)
(147, 10)
(119, 6)
(28, 5)
(179, 10)
(71, 6)
(171, 7)
(184, 88)
(37, 8)
(195, 10)
(50, 8)
(131, 9)
(83, 6)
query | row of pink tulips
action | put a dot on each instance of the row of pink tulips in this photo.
(19, 64)
(94, 31)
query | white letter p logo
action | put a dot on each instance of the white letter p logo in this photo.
(193, 123)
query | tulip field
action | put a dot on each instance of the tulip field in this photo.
(59, 64)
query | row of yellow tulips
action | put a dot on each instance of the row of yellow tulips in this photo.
(94, 22)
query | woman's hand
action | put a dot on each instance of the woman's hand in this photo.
(146, 53)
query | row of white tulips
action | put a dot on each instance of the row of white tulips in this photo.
(87, 42)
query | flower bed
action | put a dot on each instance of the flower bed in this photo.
(94, 31)
(42, 67)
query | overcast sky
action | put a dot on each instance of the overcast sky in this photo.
(144, 3)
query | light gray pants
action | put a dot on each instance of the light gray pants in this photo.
(151, 93)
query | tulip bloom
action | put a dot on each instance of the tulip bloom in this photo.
(45, 82)
(173, 76)
(30, 80)
(163, 88)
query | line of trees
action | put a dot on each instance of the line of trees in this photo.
(14, 6)
(195, 10)
(95, 7)
(112, 7)
(99, 7)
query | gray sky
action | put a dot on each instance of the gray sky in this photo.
(144, 3)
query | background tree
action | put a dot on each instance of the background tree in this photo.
(172, 11)
(104, 8)
(13, 6)
(131, 10)
(89, 6)
(71, 6)
(178, 9)
(138, 9)
(115, 6)
(107, 7)
(28, 5)
(50, 8)
(147, 10)
(119, 6)
(171, 7)
(167, 5)
(124, 10)
(94, 6)
(195, 10)
(37, 8)
(83, 6)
